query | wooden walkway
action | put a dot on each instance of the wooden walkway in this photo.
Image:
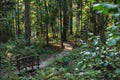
(45, 63)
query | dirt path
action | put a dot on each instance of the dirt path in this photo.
(51, 59)
(43, 64)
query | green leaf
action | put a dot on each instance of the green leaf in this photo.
(111, 42)
(113, 28)
(98, 7)
(118, 38)
(105, 8)
(117, 71)
(93, 54)
(110, 6)
(100, 11)
(116, 15)
(110, 35)
(106, 63)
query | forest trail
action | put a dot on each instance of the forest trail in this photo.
(67, 48)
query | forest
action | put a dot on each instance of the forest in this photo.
(59, 40)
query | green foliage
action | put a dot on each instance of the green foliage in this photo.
(13, 77)
(91, 61)
(106, 8)
(82, 63)
(14, 48)
(113, 36)
(111, 42)
(85, 63)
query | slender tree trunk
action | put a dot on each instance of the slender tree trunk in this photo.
(79, 15)
(70, 18)
(17, 18)
(27, 23)
(61, 32)
(93, 20)
(38, 17)
(46, 24)
(41, 19)
(65, 20)
(101, 27)
(13, 25)
(18, 22)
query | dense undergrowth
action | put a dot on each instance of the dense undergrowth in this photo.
(14, 48)
(78, 66)
(90, 61)
(83, 63)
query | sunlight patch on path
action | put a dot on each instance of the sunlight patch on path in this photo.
(52, 59)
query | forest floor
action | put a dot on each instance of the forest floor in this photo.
(68, 47)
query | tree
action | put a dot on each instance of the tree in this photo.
(79, 15)
(46, 22)
(18, 30)
(71, 16)
(27, 23)
(6, 20)
(60, 20)
(65, 20)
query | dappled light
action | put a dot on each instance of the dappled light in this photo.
(60, 40)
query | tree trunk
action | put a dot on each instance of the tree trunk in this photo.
(93, 20)
(46, 23)
(101, 28)
(18, 22)
(61, 32)
(27, 23)
(70, 18)
(38, 16)
(65, 20)
(79, 15)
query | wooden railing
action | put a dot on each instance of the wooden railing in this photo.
(27, 62)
